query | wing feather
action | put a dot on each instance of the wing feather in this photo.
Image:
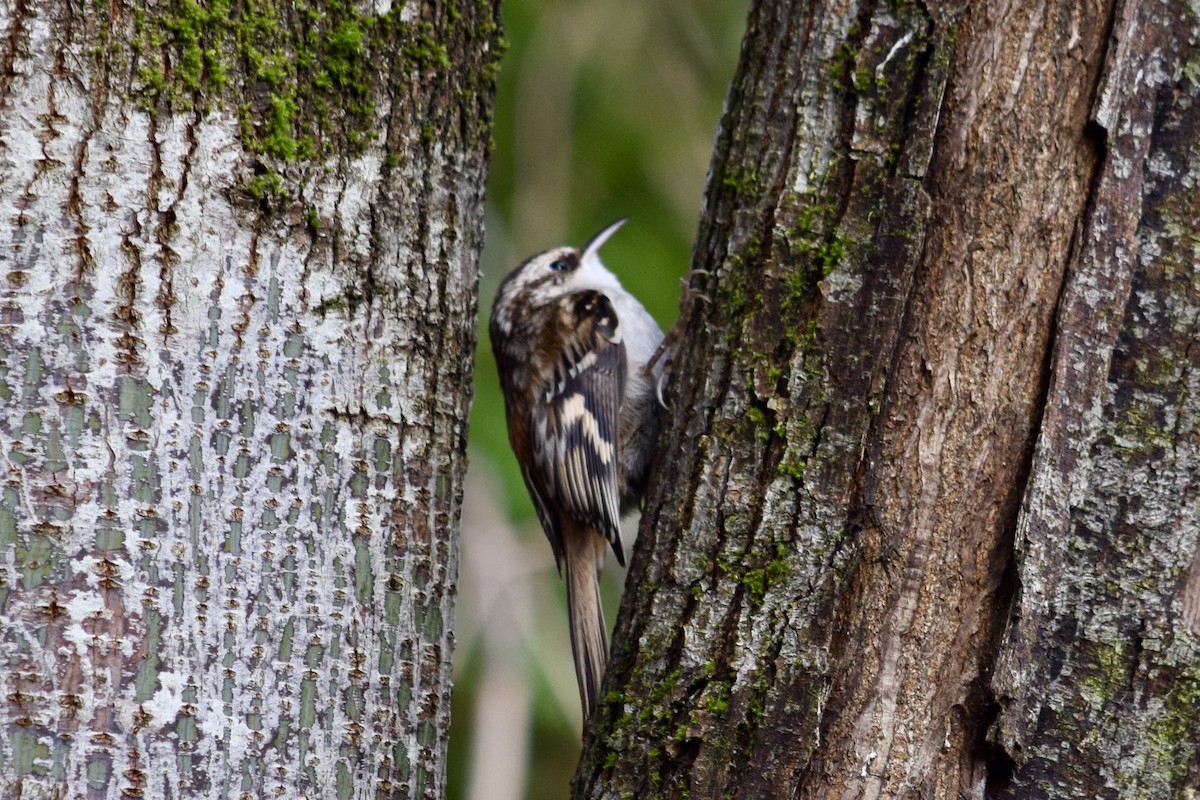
(575, 450)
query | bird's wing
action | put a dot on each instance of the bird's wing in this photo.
(575, 439)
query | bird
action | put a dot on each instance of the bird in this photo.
(577, 358)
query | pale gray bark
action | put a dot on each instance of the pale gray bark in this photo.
(234, 377)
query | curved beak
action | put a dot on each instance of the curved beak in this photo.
(600, 238)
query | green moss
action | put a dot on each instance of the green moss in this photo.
(425, 51)
(662, 690)
(779, 567)
(828, 255)
(187, 24)
(862, 78)
(793, 469)
(759, 580)
(344, 53)
(816, 246)
(717, 702)
(744, 181)
(737, 297)
(267, 186)
(277, 140)
(894, 150)
(153, 83)
(841, 63)
(755, 581)
(310, 72)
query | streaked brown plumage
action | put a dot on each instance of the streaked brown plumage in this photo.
(572, 348)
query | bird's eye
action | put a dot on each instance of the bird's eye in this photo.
(559, 265)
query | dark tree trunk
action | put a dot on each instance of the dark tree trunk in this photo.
(928, 498)
(237, 323)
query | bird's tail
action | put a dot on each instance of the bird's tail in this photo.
(584, 556)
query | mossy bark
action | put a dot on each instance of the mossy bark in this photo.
(925, 519)
(237, 323)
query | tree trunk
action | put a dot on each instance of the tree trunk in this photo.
(927, 511)
(236, 334)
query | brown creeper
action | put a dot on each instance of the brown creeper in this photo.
(572, 348)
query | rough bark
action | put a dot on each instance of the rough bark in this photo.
(926, 521)
(236, 331)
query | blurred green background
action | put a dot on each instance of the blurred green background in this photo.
(603, 110)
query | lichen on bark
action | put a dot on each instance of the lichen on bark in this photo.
(923, 526)
(1108, 533)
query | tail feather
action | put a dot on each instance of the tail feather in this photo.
(584, 555)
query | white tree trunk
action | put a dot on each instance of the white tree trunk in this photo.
(233, 392)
